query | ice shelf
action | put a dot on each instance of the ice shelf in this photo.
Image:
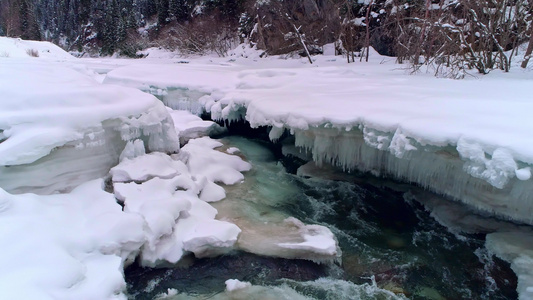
(439, 169)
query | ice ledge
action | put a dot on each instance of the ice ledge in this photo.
(488, 184)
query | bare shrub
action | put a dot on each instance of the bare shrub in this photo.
(200, 36)
(452, 37)
(32, 52)
(300, 25)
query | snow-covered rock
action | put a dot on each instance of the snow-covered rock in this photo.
(317, 239)
(171, 193)
(235, 284)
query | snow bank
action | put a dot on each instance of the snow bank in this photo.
(84, 238)
(17, 48)
(477, 129)
(68, 246)
(59, 128)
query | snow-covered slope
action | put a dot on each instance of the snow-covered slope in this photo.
(468, 139)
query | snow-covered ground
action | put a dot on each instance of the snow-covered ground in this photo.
(61, 130)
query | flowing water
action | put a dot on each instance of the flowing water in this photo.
(391, 247)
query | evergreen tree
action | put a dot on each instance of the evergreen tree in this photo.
(29, 28)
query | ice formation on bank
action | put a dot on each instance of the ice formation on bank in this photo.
(60, 128)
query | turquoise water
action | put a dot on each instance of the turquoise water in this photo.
(391, 247)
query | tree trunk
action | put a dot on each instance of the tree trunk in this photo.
(367, 42)
(297, 31)
(422, 34)
(529, 49)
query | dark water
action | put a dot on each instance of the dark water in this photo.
(390, 246)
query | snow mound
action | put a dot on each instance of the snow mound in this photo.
(17, 48)
(144, 167)
(68, 246)
(214, 165)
